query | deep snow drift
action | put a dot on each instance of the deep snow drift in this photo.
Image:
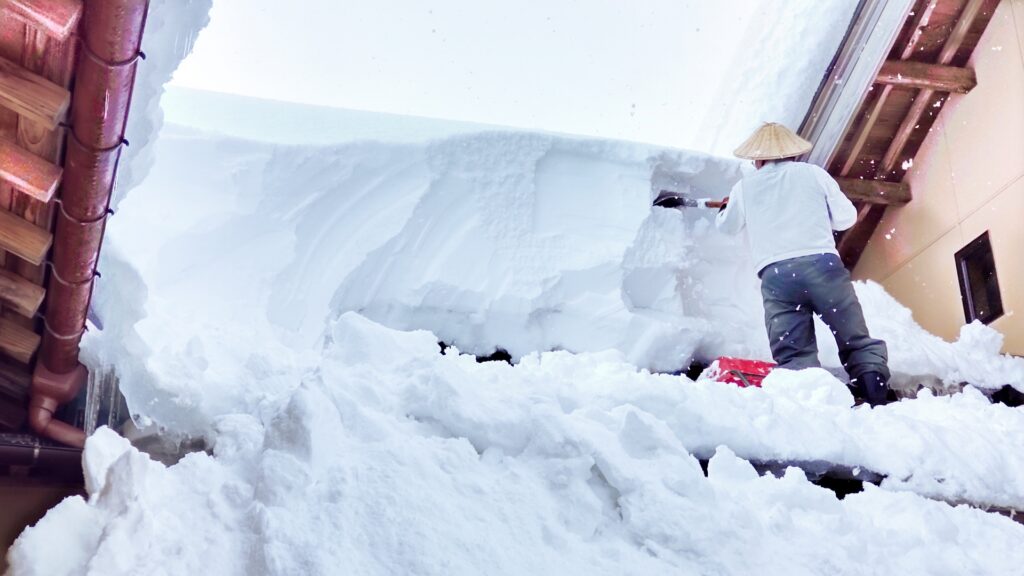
(285, 303)
(520, 241)
(343, 445)
(389, 458)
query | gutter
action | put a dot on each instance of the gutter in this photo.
(24, 456)
(111, 40)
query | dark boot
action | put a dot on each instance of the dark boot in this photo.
(872, 387)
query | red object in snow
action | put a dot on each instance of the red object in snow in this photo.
(741, 372)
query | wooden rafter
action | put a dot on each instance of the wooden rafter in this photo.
(27, 172)
(58, 18)
(32, 96)
(875, 191)
(23, 239)
(935, 77)
(20, 295)
(930, 94)
(18, 342)
(921, 19)
(924, 98)
(854, 240)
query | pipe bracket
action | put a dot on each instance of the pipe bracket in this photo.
(140, 55)
(106, 214)
(65, 337)
(56, 276)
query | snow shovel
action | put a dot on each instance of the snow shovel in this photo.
(671, 199)
(739, 371)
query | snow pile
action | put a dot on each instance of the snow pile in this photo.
(918, 356)
(365, 448)
(507, 240)
(285, 302)
(521, 241)
(387, 457)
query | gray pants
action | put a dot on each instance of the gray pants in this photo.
(794, 290)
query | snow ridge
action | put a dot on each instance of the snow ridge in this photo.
(390, 458)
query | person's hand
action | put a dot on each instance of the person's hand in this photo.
(720, 204)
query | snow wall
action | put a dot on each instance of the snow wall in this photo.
(495, 239)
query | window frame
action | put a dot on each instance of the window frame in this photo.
(979, 246)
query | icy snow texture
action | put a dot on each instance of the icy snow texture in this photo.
(389, 458)
(372, 453)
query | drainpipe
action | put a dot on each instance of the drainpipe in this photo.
(111, 40)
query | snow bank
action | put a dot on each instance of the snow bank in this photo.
(387, 457)
(267, 297)
(520, 241)
(509, 240)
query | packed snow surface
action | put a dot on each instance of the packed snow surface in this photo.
(386, 457)
(284, 300)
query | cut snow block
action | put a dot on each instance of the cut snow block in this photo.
(24, 239)
(18, 342)
(58, 18)
(32, 96)
(19, 294)
(27, 172)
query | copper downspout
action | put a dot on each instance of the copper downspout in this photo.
(111, 33)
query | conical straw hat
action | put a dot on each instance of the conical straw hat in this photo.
(772, 142)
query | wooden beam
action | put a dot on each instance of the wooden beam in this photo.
(18, 342)
(15, 379)
(23, 239)
(58, 18)
(921, 18)
(20, 295)
(924, 98)
(865, 131)
(32, 96)
(28, 173)
(935, 77)
(855, 240)
(55, 61)
(875, 191)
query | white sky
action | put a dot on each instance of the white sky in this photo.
(646, 70)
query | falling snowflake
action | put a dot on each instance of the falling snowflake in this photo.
(908, 164)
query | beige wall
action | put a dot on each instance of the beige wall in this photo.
(967, 178)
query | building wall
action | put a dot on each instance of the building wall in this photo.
(967, 178)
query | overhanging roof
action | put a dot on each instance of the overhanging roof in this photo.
(894, 72)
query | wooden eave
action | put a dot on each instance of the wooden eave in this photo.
(910, 84)
(38, 55)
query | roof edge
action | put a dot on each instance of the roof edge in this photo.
(872, 33)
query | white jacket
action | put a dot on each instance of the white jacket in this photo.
(789, 209)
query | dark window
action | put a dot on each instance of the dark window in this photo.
(979, 286)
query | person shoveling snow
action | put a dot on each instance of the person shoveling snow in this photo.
(789, 210)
